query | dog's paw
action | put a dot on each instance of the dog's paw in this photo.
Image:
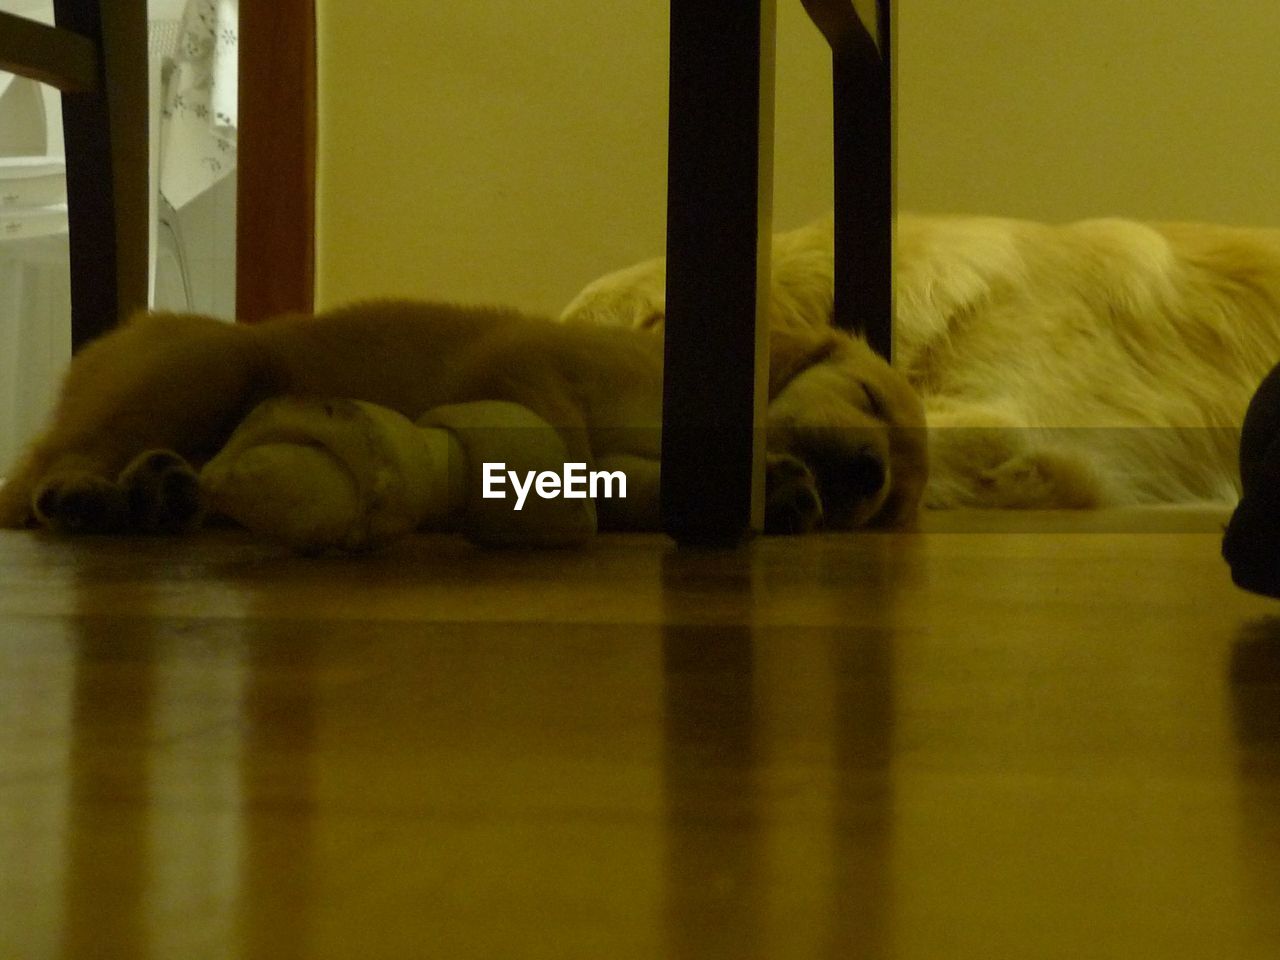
(792, 501)
(80, 503)
(162, 493)
(1040, 479)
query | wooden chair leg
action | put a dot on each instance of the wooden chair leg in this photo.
(719, 222)
(276, 147)
(105, 132)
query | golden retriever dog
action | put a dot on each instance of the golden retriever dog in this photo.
(1098, 363)
(144, 406)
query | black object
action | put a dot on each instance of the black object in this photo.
(1251, 544)
(862, 96)
(718, 228)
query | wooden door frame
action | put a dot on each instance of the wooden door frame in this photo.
(276, 159)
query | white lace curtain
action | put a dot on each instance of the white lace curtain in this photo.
(199, 86)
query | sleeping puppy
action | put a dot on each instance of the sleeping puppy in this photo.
(145, 406)
(845, 435)
(1090, 364)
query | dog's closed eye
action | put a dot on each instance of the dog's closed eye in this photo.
(875, 406)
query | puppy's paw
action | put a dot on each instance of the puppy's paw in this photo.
(792, 501)
(80, 503)
(162, 493)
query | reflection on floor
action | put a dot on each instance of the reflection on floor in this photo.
(949, 744)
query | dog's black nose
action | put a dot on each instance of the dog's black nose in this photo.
(865, 475)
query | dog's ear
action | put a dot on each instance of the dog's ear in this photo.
(793, 352)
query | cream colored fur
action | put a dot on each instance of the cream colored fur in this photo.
(1098, 363)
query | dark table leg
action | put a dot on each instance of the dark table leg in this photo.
(861, 70)
(719, 223)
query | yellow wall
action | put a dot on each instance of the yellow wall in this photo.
(1060, 108)
(511, 151)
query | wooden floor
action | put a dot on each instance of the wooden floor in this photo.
(956, 744)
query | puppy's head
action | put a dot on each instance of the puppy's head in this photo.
(853, 423)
